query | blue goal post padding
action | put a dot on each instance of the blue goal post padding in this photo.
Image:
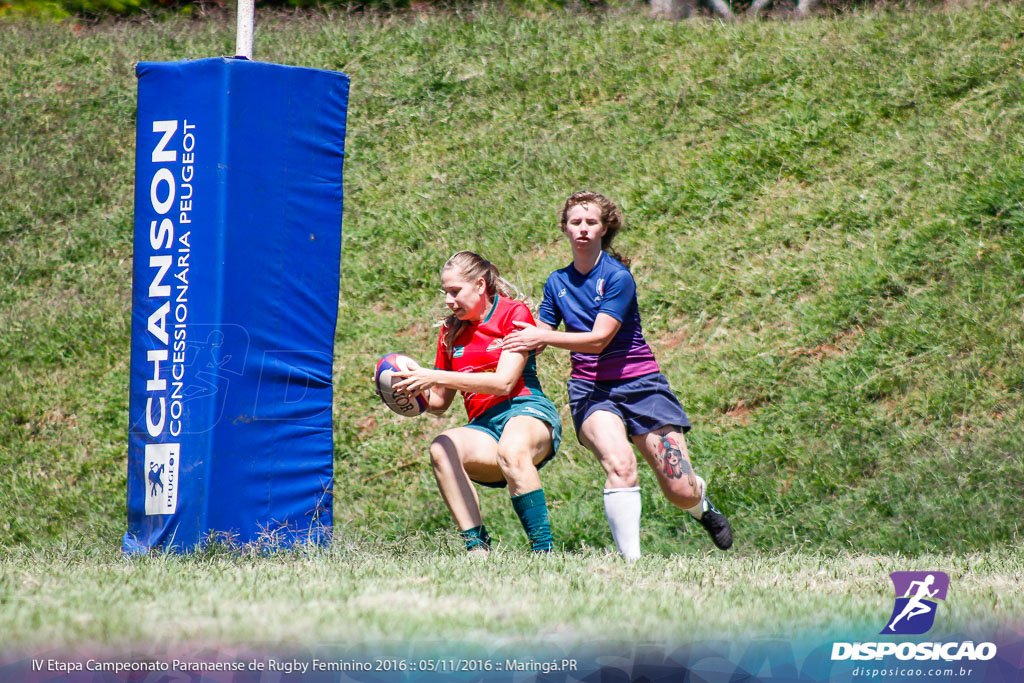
(238, 203)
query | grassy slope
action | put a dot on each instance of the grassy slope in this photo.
(826, 228)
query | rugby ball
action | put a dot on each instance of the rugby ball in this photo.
(386, 380)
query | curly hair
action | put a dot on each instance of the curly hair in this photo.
(611, 218)
(472, 266)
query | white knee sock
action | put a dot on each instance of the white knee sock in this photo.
(622, 508)
(697, 511)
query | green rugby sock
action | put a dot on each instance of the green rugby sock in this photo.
(476, 537)
(532, 510)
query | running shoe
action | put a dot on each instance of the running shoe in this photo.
(717, 526)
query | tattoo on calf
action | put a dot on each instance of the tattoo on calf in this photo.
(675, 464)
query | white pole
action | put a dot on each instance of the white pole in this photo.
(243, 38)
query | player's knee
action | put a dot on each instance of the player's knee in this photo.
(442, 453)
(621, 468)
(513, 460)
(684, 492)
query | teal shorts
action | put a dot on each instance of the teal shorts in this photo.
(494, 419)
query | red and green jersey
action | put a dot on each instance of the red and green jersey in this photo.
(478, 348)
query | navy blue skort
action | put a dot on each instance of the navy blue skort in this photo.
(644, 403)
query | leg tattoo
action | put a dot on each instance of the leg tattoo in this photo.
(675, 464)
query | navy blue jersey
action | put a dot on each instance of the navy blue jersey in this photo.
(577, 299)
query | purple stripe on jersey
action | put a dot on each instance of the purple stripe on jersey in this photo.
(612, 364)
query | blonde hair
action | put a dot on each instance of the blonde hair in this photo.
(611, 218)
(473, 266)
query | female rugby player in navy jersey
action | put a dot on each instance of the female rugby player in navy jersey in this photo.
(616, 392)
(513, 428)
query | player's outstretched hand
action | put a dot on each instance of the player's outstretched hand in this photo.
(526, 338)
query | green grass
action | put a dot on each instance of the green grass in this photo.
(363, 594)
(824, 216)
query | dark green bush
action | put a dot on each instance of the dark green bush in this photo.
(48, 9)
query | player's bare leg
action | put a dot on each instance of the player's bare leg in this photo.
(525, 442)
(665, 451)
(604, 434)
(456, 455)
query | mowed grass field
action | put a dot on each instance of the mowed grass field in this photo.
(827, 231)
(368, 594)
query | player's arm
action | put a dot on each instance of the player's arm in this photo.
(439, 399)
(541, 334)
(543, 326)
(498, 383)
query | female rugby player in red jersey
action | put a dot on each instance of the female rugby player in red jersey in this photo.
(513, 428)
